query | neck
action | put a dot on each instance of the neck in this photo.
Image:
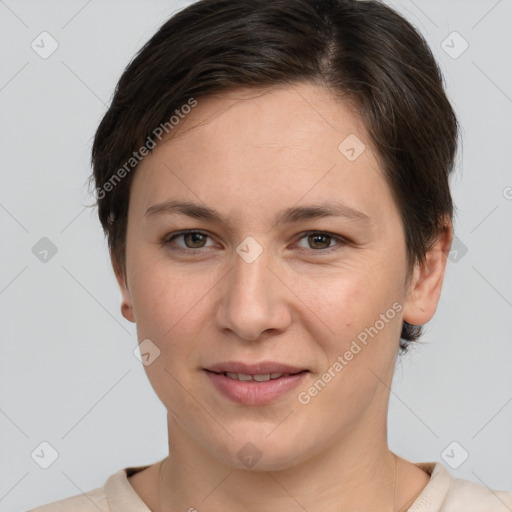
(343, 476)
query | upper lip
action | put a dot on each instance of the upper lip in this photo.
(263, 368)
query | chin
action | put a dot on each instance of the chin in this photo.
(260, 453)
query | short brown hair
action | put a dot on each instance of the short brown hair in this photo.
(363, 50)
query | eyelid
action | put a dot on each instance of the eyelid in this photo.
(341, 241)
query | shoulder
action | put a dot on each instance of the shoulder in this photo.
(117, 495)
(470, 496)
(446, 493)
(91, 501)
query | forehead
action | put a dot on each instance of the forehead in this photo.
(265, 149)
(279, 115)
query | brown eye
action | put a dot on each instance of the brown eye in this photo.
(319, 241)
(322, 242)
(194, 240)
(191, 240)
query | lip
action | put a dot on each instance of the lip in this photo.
(254, 369)
(253, 392)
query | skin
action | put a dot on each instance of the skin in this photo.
(249, 154)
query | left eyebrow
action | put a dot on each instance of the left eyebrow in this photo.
(290, 215)
(338, 209)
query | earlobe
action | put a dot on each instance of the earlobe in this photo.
(127, 311)
(427, 281)
(126, 303)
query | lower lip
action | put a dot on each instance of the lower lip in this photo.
(250, 392)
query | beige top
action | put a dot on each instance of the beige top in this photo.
(443, 493)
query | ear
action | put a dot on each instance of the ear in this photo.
(426, 283)
(126, 301)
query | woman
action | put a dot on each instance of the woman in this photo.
(273, 179)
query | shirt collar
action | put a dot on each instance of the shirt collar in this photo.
(121, 496)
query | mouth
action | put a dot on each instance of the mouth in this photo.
(254, 369)
(256, 377)
(255, 384)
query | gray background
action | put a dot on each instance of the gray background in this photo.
(68, 375)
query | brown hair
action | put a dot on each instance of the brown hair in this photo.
(362, 50)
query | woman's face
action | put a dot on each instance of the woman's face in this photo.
(261, 284)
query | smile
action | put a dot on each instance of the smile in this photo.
(257, 378)
(255, 389)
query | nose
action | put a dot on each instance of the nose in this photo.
(255, 300)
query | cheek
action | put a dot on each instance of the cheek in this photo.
(348, 301)
(171, 308)
(361, 351)
(163, 293)
(167, 304)
(348, 313)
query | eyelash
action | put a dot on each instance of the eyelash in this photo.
(166, 241)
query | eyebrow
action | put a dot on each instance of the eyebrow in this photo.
(290, 215)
